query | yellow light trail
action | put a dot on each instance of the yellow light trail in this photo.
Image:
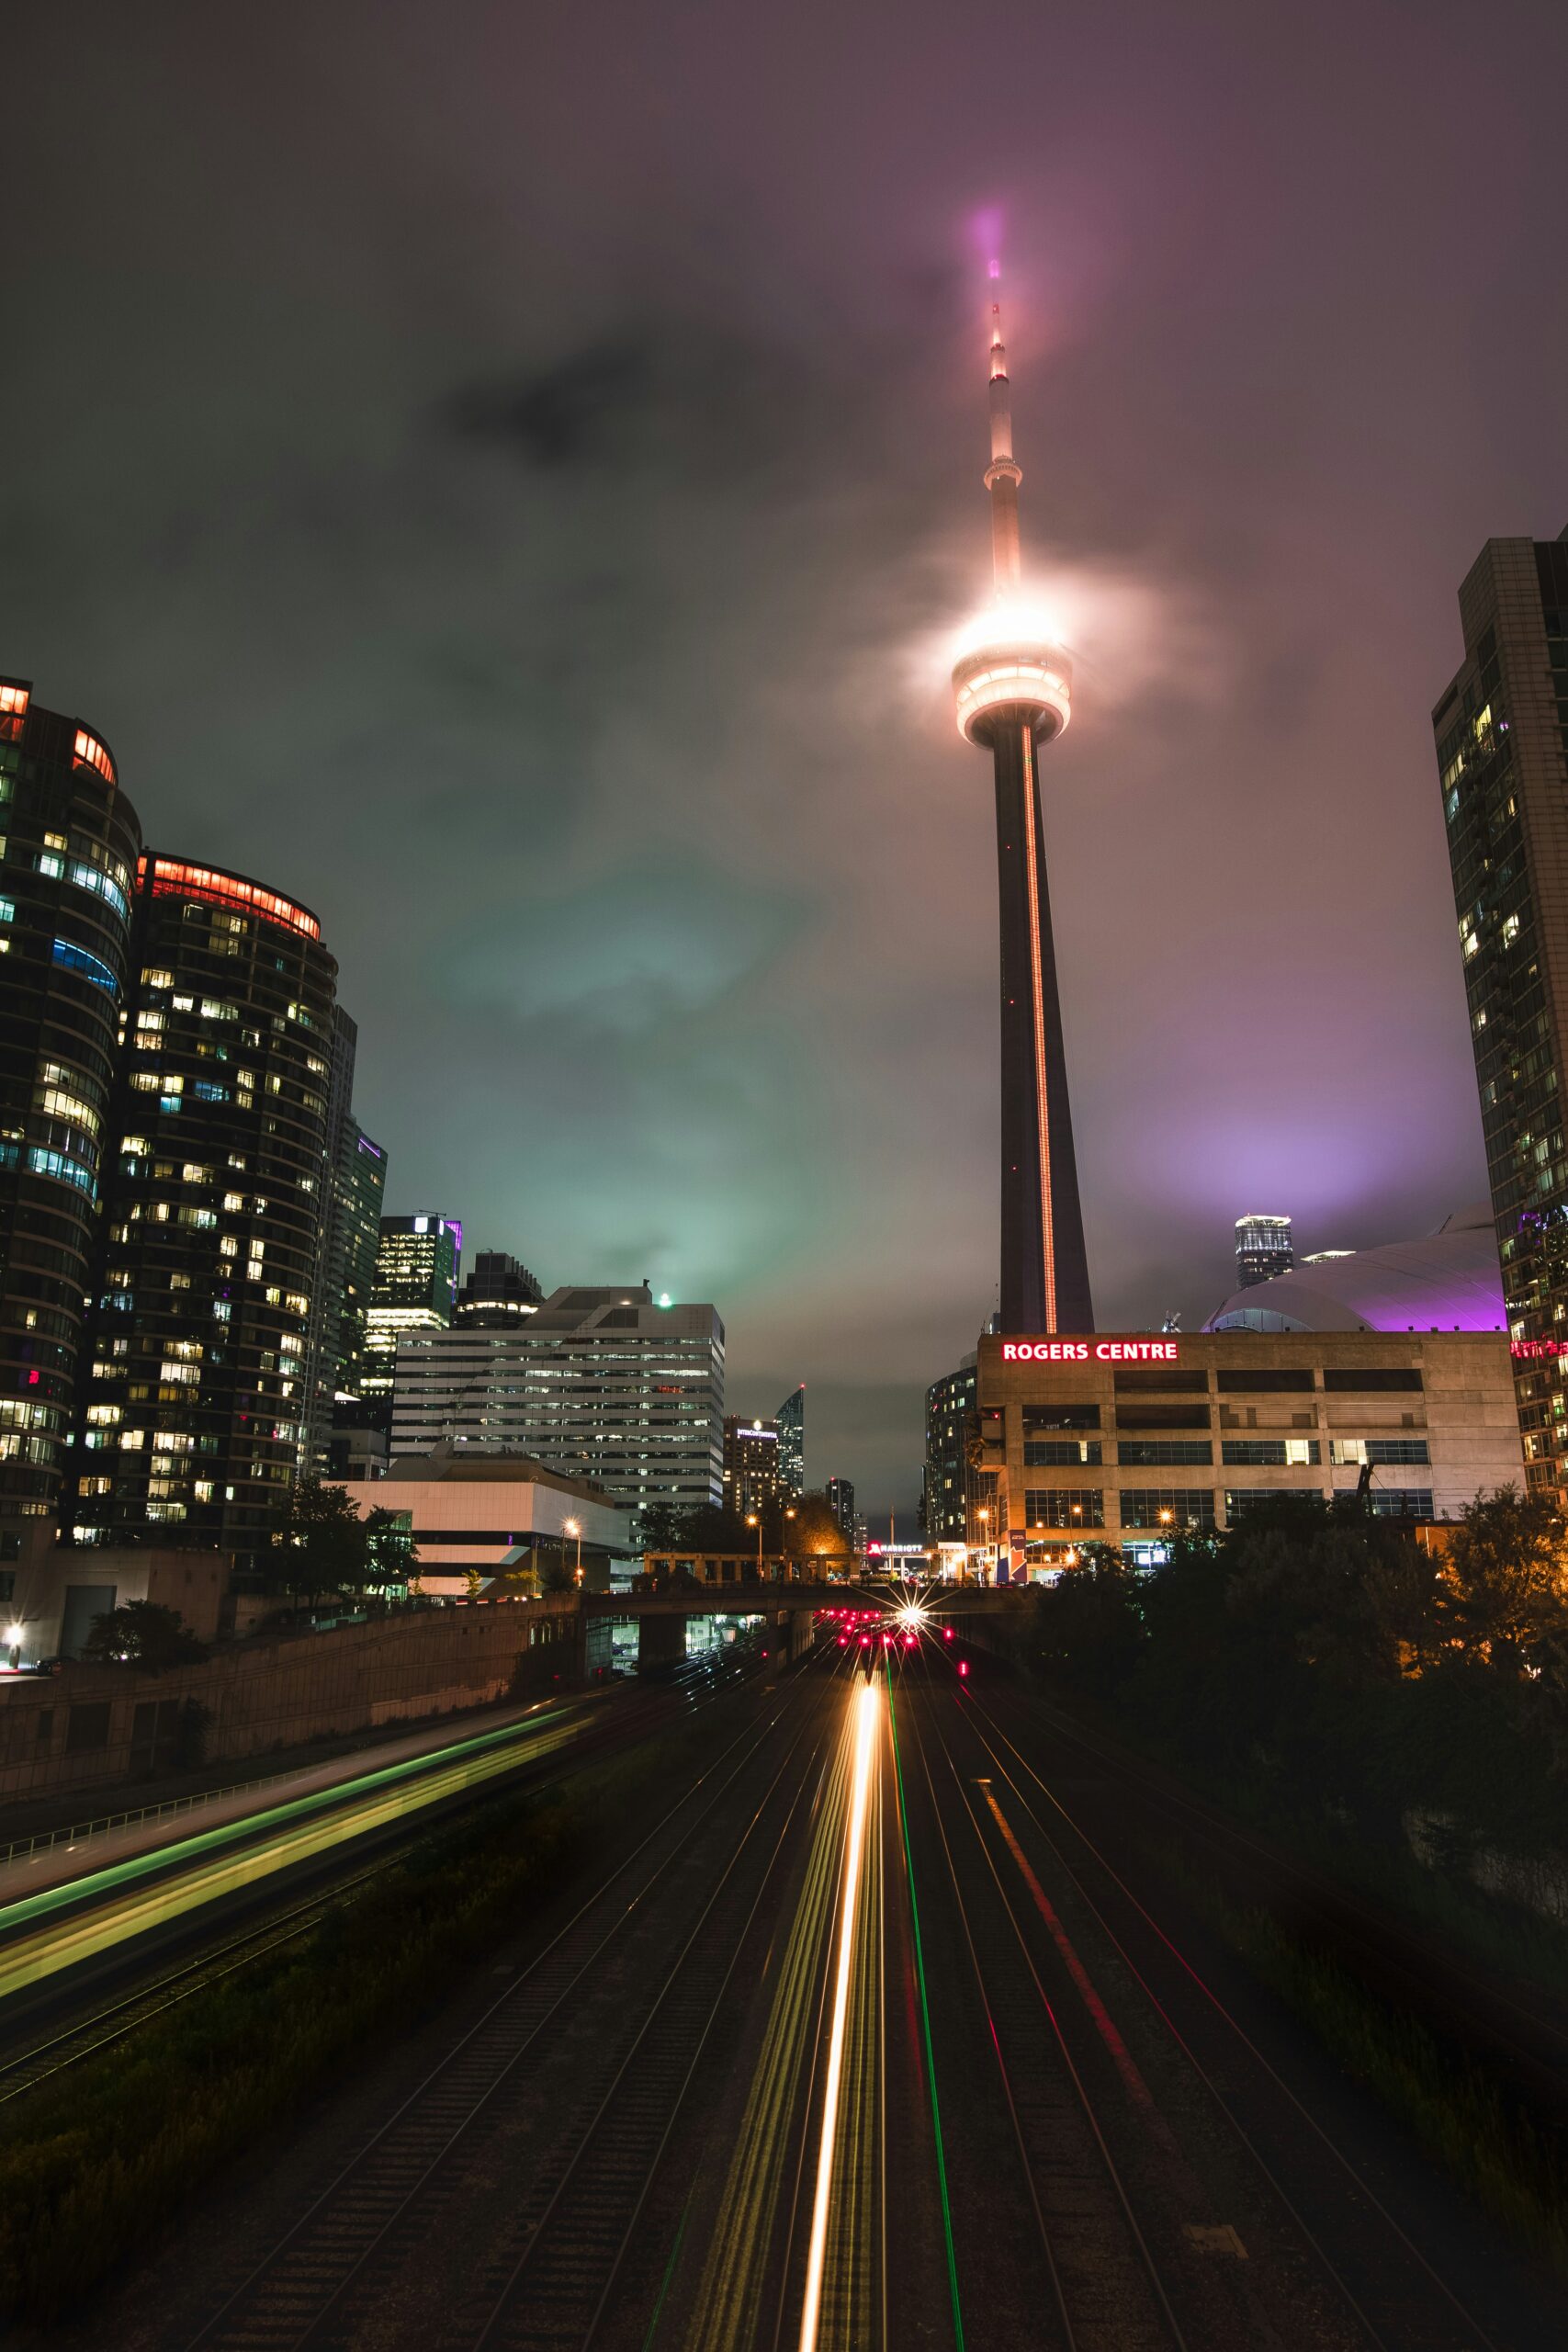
(867, 1703)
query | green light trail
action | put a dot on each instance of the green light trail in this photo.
(73, 1890)
(293, 1833)
(925, 2018)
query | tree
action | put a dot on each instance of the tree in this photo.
(659, 1527)
(145, 1635)
(321, 1543)
(1503, 1585)
(814, 1534)
(1087, 1627)
(389, 1550)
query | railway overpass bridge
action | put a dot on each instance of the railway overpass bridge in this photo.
(978, 1612)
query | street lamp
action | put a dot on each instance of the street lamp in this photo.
(754, 1519)
(574, 1527)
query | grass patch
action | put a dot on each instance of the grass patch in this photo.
(1456, 2111)
(90, 2167)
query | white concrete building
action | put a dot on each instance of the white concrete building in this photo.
(601, 1384)
(497, 1513)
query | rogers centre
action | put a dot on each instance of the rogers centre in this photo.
(1130, 1438)
(1081, 1351)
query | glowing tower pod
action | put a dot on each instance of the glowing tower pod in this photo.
(1012, 689)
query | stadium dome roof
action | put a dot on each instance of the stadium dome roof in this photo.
(1447, 1281)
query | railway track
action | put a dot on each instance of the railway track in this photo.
(25, 2069)
(53, 2048)
(1366, 2261)
(1509, 2018)
(411, 2172)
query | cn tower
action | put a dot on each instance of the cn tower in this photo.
(1013, 688)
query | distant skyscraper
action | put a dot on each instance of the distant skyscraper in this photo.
(1013, 689)
(1501, 743)
(949, 1415)
(790, 1419)
(1262, 1249)
(72, 840)
(357, 1180)
(841, 1503)
(600, 1384)
(196, 1412)
(754, 1466)
(499, 1290)
(415, 1289)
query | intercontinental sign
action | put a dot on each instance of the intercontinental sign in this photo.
(1092, 1351)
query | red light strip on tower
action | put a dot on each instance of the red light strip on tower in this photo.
(1031, 870)
(208, 883)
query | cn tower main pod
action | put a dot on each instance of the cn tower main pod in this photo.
(1013, 688)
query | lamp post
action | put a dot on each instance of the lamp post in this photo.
(574, 1527)
(754, 1519)
(985, 1529)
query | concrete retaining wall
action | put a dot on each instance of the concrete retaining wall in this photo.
(90, 1726)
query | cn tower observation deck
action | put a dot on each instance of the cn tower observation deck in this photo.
(1012, 685)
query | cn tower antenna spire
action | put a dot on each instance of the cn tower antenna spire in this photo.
(1012, 685)
(1002, 475)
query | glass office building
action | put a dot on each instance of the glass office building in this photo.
(790, 1422)
(70, 840)
(1501, 732)
(1263, 1249)
(949, 1432)
(192, 1414)
(417, 1263)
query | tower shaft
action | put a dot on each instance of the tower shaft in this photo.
(1044, 1266)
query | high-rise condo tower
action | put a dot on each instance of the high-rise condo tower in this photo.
(1013, 687)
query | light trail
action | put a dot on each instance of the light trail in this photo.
(220, 1862)
(867, 1706)
(925, 2027)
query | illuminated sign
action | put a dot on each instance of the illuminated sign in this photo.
(1537, 1351)
(1087, 1351)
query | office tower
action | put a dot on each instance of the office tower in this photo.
(1012, 685)
(754, 1466)
(195, 1413)
(841, 1503)
(791, 1421)
(415, 1289)
(1262, 1249)
(71, 844)
(498, 1290)
(1501, 730)
(356, 1179)
(950, 1428)
(600, 1384)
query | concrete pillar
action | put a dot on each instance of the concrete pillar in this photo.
(661, 1640)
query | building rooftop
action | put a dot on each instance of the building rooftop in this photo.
(1446, 1281)
(476, 1465)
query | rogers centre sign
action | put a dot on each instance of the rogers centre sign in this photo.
(1086, 1351)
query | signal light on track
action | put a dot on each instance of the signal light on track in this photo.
(962, 1665)
(947, 1635)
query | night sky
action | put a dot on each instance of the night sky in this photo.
(509, 477)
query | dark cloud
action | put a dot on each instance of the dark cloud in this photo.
(565, 414)
(508, 479)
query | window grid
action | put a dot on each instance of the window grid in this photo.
(1064, 1506)
(1168, 1507)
